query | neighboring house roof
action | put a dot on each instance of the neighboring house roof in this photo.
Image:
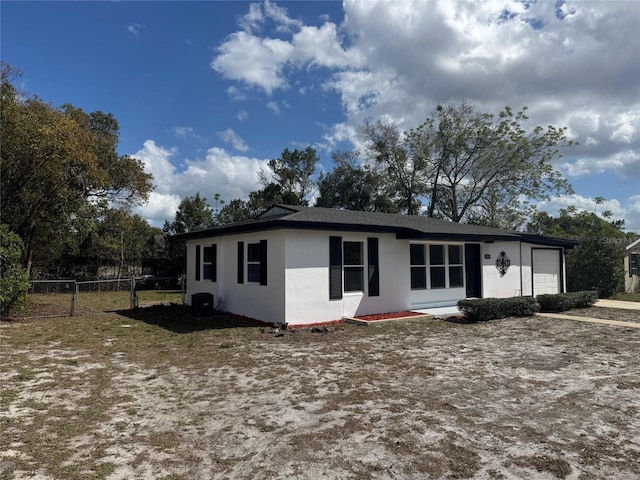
(404, 226)
(633, 245)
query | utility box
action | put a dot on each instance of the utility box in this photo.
(202, 304)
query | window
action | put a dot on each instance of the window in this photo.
(353, 260)
(346, 267)
(208, 263)
(437, 266)
(442, 268)
(253, 263)
(418, 267)
(456, 278)
(256, 264)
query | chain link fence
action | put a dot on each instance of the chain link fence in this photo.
(62, 298)
(53, 298)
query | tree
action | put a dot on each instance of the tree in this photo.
(597, 262)
(121, 240)
(353, 186)
(56, 163)
(14, 280)
(469, 166)
(235, 211)
(260, 200)
(194, 213)
(488, 164)
(288, 181)
(292, 174)
(406, 174)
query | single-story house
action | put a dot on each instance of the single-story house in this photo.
(308, 265)
(632, 267)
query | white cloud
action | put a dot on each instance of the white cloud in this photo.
(632, 218)
(185, 133)
(159, 207)
(218, 172)
(182, 132)
(628, 211)
(262, 61)
(157, 161)
(573, 64)
(242, 115)
(625, 163)
(253, 60)
(232, 137)
(625, 127)
(273, 106)
(236, 93)
(279, 15)
(135, 28)
(253, 19)
(341, 132)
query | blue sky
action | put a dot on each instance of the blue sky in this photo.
(207, 92)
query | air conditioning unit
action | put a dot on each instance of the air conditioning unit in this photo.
(202, 304)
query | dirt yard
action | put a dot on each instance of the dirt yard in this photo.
(154, 394)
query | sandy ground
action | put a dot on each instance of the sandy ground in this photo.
(131, 398)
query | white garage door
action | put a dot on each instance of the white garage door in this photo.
(546, 271)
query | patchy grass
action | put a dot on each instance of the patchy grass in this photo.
(627, 297)
(88, 303)
(154, 393)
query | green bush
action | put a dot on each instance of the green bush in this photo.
(566, 301)
(14, 281)
(483, 309)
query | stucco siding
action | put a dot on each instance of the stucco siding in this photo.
(199, 286)
(307, 278)
(518, 279)
(261, 302)
(494, 284)
(297, 290)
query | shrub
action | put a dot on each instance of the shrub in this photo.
(14, 281)
(483, 309)
(554, 302)
(566, 301)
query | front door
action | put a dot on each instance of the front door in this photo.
(473, 270)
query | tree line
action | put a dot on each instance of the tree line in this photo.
(67, 194)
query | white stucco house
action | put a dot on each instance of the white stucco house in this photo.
(307, 265)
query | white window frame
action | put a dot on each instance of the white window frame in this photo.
(446, 266)
(353, 267)
(204, 262)
(255, 263)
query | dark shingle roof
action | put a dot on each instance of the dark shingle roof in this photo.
(404, 226)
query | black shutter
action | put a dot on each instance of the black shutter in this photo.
(240, 262)
(263, 262)
(335, 268)
(374, 274)
(214, 262)
(198, 262)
